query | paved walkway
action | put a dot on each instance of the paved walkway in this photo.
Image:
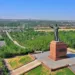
(71, 50)
(26, 68)
(15, 42)
(55, 64)
(72, 68)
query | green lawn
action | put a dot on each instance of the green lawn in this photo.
(19, 61)
(1, 64)
(41, 70)
(64, 71)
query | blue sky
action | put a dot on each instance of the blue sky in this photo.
(38, 9)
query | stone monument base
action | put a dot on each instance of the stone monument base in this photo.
(58, 50)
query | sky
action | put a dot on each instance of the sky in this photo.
(37, 9)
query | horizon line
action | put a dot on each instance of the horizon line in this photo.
(34, 19)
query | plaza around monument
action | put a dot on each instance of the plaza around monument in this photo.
(58, 56)
(43, 57)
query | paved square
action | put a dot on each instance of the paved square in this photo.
(43, 57)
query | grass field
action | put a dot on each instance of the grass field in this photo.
(19, 61)
(41, 70)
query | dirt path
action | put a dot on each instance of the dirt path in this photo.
(51, 30)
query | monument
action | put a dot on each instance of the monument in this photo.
(58, 49)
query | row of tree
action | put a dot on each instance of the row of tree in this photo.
(41, 40)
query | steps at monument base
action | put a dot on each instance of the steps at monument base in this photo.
(72, 68)
(26, 67)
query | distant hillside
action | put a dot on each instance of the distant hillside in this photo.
(33, 23)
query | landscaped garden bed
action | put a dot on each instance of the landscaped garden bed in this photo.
(42, 70)
(19, 61)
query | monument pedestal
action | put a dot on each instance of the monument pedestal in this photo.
(58, 50)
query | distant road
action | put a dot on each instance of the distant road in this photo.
(15, 42)
(50, 30)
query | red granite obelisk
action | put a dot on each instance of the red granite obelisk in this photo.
(58, 50)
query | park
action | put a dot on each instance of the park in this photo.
(28, 56)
